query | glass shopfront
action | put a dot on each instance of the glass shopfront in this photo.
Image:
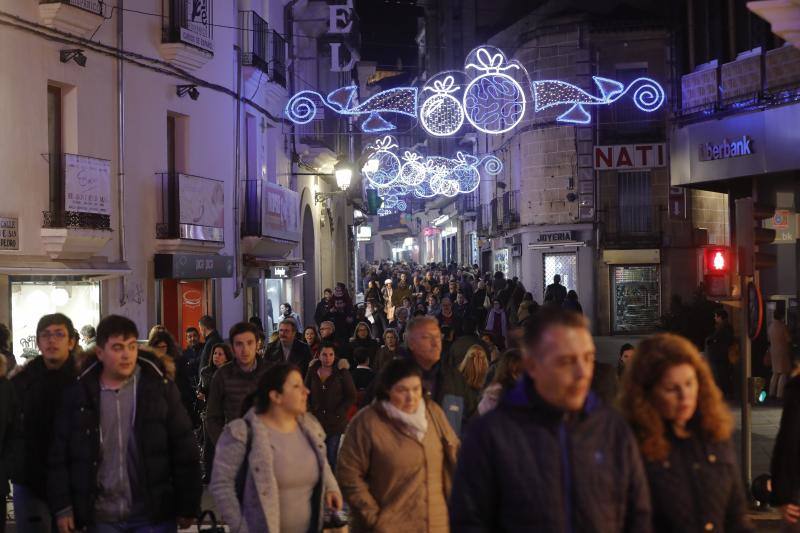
(636, 298)
(30, 300)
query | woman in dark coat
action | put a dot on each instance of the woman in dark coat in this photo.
(785, 468)
(362, 338)
(684, 432)
(332, 393)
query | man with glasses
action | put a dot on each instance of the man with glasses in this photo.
(39, 387)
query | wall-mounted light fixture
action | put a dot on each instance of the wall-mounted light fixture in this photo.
(191, 90)
(73, 54)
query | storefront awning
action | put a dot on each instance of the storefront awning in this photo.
(82, 270)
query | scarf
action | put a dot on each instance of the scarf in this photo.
(416, 422)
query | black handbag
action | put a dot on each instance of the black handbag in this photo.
(212, 527)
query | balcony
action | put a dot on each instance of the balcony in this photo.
(192, 213)
(78, 17)
(509, 218)
(254, 38)
(639, 226)
(755, 79)
(187, 33)
(270, 219)
(484, 222)
(468, 204)
(277, 58)
(78, 223)
(393, 224)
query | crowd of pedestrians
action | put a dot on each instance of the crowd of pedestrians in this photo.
(448, 400)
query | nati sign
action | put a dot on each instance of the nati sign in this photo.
(737, 147)
(628, 156)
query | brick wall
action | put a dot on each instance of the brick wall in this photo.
(710, 211)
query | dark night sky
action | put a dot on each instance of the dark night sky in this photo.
(388, 28)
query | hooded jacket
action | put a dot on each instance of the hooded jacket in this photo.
(166, 447)
(527, 466)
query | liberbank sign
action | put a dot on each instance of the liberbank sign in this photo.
(726, 149)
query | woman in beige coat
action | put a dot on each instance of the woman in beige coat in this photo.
(397, 458)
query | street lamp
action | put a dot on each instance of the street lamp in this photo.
(344, 175)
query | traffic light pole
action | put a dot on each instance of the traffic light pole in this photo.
(746, 359)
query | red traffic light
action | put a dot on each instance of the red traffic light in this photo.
(717, 260)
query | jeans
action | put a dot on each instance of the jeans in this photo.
(135, 526)
(30, 513)
(332, 445)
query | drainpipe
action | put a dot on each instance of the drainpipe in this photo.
(237, 222)
(123, 298)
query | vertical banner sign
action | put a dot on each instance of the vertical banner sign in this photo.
(340, 23)
(87, 184)
(677, 203)
(197, 28)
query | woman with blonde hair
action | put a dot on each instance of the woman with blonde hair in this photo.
(683, 428)
(474, 367)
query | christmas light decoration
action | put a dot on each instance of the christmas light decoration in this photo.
(648, 96)
(387, 169)
(494, 102)
(441, 115)
(485, 95)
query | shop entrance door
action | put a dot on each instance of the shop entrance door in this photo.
(182, 304)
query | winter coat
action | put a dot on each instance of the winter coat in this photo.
(330, 401)
(167, 449)
(39, 392)
(785, 466)
(260, 482)
(780, 342)
(323, 307)
(212, 340)
(229, 388)
(526, 466)
(391, 481)
(299, 355)
(383, 356)
(698, 488)
(11, 442)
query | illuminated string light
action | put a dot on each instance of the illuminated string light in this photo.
(441, 115)
(387, 169)
(648, 96)
(494, 102)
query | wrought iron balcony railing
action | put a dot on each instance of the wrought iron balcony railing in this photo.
(75, 220)
(192, 207)
(254, 39)
(632, 226)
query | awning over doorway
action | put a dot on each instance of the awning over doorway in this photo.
(84, 270)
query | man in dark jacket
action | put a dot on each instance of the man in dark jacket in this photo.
(123, 456)
(443, 383)
(11, 443)
(323, 306)
(208, 327)
(551, 457)
(234, 381)
(555, 293)
(288, 349)
(39, 387)
(717, 346)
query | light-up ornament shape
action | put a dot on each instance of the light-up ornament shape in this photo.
(648, 96)
(441, 115)
(387, 169)
(494, 102)
(413, 172)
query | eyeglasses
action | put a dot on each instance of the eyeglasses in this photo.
(46, 335)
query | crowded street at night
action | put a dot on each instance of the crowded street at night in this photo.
(399, 266)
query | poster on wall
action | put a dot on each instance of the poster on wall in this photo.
(196, 30)
(202, 201)
(87, 184)
(280, 216)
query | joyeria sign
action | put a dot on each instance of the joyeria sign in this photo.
(492, 94)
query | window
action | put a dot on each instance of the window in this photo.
(564, 265)
(55, 147)
(636, 298)
(634, 201)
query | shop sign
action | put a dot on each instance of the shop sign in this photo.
(630, 156)
(340, 23)
(430, 232)
(677, 203)
(87, 184)
(192, 266)
(279, 272)
(201, 202)
(9, 233)
(784, 222)
(364, 233)
(280, 216)
(197, 27)
(737, 147)
(555, 236)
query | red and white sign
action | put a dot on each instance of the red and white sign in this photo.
(630, 156)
